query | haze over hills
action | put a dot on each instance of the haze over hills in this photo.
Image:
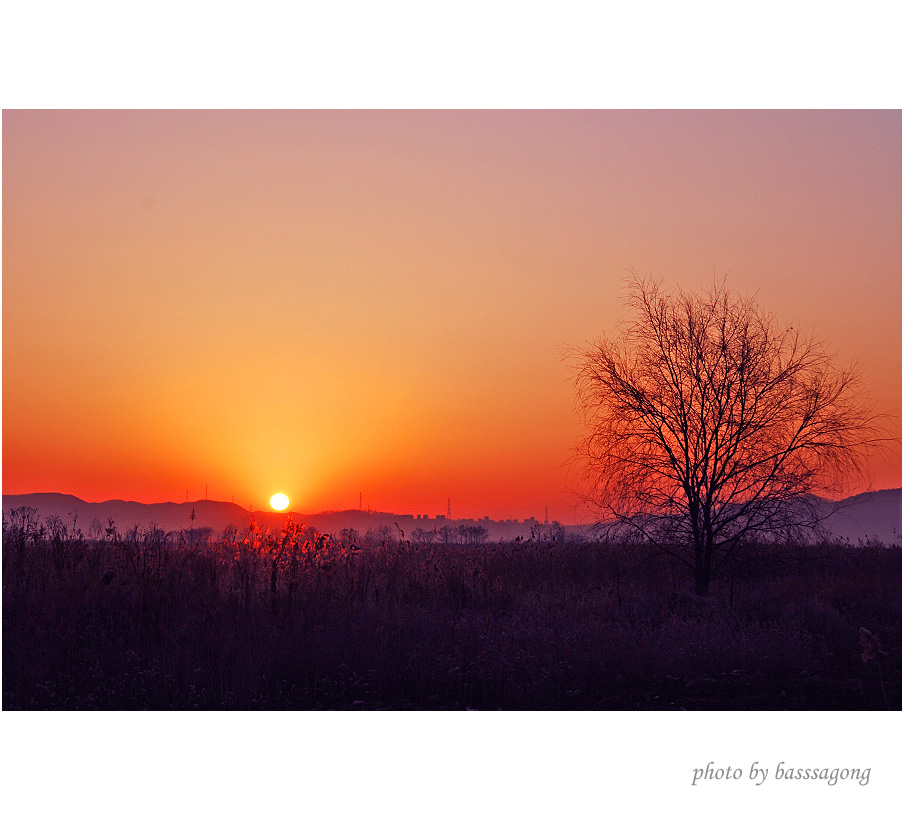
(218, 515)
(868, 516)
(127, 514)
(874, 516)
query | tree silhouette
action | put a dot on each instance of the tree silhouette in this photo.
(709, 427)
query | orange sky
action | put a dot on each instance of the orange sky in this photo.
(328, 303)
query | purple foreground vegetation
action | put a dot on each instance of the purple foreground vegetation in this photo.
(299, 620)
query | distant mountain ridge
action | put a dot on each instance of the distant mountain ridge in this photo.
(167, 515)
(218, 515)
(870, 516)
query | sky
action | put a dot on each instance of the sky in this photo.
(335, 303)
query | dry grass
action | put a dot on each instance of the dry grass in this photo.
(298, 620)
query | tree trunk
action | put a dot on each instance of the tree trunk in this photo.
(701, 581)
(701, 565)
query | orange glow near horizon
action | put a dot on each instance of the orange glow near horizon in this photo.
(422, 274)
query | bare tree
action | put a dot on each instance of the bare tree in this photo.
(472, 536)
(446, 535)
(710, 427)
(423, 537)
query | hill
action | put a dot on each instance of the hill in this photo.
(218, 515)
(871, 516)
(127, 514)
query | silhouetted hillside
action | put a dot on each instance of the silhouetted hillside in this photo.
(127, 514)
(872, 516)
(218, 515)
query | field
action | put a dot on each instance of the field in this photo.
(298, 620)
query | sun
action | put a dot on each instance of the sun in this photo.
(279, 501)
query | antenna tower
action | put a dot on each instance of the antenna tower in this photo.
(449, 508)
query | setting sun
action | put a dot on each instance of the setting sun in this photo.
(355, 401)
(279, 501)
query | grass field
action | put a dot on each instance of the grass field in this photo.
(297, 620)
